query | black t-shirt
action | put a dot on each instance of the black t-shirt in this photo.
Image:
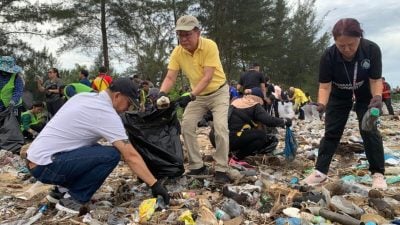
(251, 79)
(333, 69)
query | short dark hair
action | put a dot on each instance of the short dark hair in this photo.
(103, 69)
(85, 73)
(37, 104)
(254, 64)
(144, 83)
(348, 27)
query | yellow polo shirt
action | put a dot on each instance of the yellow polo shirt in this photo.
(206, 54)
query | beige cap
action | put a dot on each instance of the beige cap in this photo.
(187, 23)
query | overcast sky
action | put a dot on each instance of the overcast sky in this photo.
(379, 19)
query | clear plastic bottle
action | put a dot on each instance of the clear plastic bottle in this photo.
(370, 119)
(232, 208)
(36, 217)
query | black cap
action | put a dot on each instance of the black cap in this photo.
(126, 87)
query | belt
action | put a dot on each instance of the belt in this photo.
(30, 165)
(216, 90)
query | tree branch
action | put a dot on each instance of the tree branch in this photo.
(24, 32)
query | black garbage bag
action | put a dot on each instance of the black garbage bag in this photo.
(11, 137)
(156, 136)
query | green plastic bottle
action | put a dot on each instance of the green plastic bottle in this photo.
(370, 120)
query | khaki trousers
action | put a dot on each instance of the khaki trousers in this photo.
(218, 104)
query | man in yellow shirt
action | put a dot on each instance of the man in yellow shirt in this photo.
(198, 58)
(300, 100)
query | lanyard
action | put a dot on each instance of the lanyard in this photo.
(354, 77)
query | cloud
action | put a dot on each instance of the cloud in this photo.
(380, 21)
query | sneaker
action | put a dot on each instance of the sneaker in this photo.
(201, 171)
(378, 181)
(315, 178)
(69, 205)
(222, 178)
(55, 195)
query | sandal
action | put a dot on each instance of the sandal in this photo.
(233, 161)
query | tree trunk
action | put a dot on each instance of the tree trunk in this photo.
(104, 34)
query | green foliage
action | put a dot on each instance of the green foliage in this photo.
(285, 41)
(18, 17)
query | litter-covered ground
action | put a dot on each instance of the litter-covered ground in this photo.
(268, 194)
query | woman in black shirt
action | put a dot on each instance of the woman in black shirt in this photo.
(350, 72)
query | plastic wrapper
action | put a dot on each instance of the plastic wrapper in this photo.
(146, 209)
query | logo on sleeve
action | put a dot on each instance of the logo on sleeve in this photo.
(365, 64)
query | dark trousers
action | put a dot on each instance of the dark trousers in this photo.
(275, 103)
(36, 127)
(54, 106)
(82, 171)
(388, 103)
(336, 117)
(273, 106)
(250, 142)
(301, 111)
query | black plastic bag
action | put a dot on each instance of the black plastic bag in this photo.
(156, 136)
(11, 137)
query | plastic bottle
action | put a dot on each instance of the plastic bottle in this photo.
(370, 119)
(232, 208)
(36, 217)
(222, 215)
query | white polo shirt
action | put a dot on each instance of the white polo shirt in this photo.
(82, 121)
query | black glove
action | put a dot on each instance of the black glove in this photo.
(159, 189)
(287, 122)
(321, 107)
(161, 93)
(184, 100)
(376, 102)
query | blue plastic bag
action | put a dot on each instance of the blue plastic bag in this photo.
(287, 221)
(290, 145)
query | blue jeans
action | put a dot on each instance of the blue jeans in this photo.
(82, 170)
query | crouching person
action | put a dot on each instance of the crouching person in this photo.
(245, 136)
(67, 155)
(32, 121)
(246, 118)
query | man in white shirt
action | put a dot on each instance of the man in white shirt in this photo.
(66, 152)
